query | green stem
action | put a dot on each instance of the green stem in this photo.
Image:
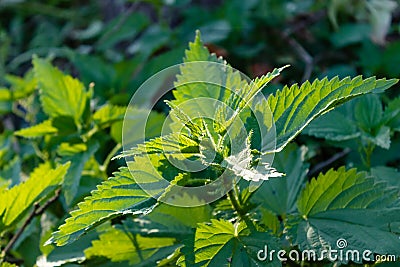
(368, 153)
(233, 197)
(198, 182)
(90, 133)
(107, 161)
(38, 152)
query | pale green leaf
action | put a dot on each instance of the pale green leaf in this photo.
(108, 114)
(116, 196)
(165, 213)
(5, 94)
(72, 253)
(269, 220)
(223, 244)
(203, 75)
(17, 200)
(38, 130)
(67, 149)
(22, 86)
(295, 107)
(60, 94)
(172, 221)
(172, 144)
(241, 165)
(198, 52)
(134, 121)
(183, 118)
(7, 264)
(118, 245)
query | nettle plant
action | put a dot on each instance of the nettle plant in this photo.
(144, 216)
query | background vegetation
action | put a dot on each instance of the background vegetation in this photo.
(114, 46)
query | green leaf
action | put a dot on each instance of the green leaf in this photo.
(356, 123)
(116, 196)
(38, 130)
(350, 33)
(370, 120)
(380, 138)
(12, 172)
(269, 220)
(7, 264)
(327, 127)
(165, 213)
(128, 28)
(151, 40)
(332, 191)
(118, 244)
(17, 200)
(5, 94)
(172, 221)
(223, 244)
(74, 174)
(72, 253)
(108, 114)
(5, 107)
(168, 145)
(205, 78)
(134, 120)
(67, 149)
(391, 115)
(60, 94)
(22, 87)
(195, 81)
(295, 107)
(185, 119)
(388, 175)
(352, 206)
(198, 52)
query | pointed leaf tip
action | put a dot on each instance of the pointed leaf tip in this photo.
(198, 36)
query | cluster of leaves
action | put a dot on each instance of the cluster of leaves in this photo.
(64, 141)
(134, 228)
